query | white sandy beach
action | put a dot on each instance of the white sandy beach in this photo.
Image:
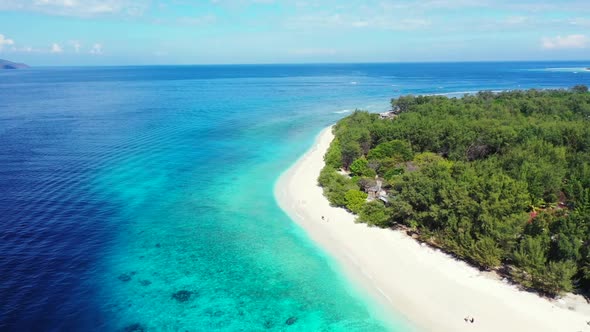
(429, 288)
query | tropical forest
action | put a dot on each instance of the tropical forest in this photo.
(501, 180)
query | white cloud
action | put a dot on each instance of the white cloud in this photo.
(314, 51)
(432, 4)
(516, 20)
(80, 8)
(5, 41)
(76, 45)
(408, 24)
(519, 6)
(96, 49)
(580, 21)
(360, 24)
(56, 48)
(315, 20)
(243, 2)
(570, 41)
(63, 3)
(199, 20)
(358, 18)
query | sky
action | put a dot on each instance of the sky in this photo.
(140, 32)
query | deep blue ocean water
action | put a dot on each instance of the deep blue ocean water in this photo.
(142, 197)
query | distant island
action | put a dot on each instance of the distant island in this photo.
(5, 64)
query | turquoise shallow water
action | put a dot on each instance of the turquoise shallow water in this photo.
(218, 233)
(142, 197)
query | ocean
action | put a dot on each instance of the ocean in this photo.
(141, 198)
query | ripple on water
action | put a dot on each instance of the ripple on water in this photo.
(140, 199)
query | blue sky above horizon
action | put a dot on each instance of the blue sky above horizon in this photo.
(111, 32)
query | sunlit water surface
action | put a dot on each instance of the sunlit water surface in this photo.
(141, 198)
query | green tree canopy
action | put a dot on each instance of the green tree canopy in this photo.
(495, 178)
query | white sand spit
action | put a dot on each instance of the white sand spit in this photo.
(432, 290)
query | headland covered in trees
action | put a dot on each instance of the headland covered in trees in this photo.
(499, 180)
(5, 64)
(502, 180)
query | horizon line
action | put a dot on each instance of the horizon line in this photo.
(301, 63)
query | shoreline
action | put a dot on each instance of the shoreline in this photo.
(426, 287)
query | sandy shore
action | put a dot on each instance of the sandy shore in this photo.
(429, 288)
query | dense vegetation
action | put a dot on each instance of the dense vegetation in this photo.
(501, 180)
